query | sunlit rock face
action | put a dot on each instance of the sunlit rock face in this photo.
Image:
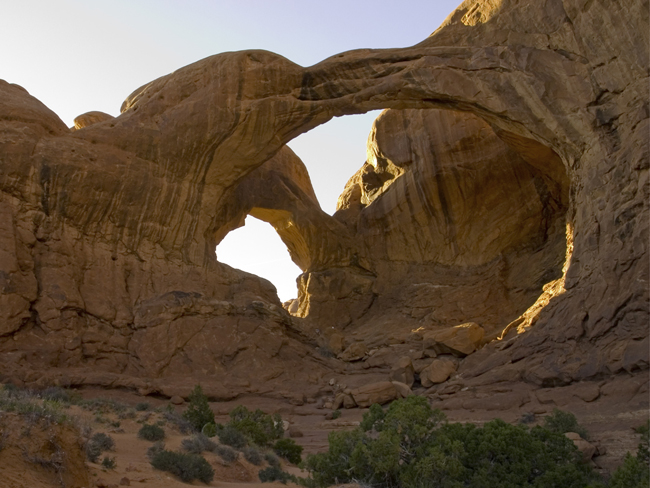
(107, 267)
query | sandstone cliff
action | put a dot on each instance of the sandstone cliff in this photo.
(510, 124)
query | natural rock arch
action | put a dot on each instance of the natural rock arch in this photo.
(90, 280)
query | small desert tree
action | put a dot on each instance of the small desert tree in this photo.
(198, 411)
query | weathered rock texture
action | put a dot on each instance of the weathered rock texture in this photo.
(107, 235)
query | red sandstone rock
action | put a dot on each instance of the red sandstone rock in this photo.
(531, 184)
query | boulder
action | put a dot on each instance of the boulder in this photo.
(420, 364)
(437, 372)
(344, 400)
(460, 340)
(403, 371)
(403, 389)
(587, 449)
(176, 400)
(381, 392)
(354, 352)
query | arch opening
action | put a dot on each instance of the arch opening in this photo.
(449, 220)
(256, 248)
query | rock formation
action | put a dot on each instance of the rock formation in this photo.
(516, 136)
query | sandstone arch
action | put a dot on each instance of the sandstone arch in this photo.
(106, 225)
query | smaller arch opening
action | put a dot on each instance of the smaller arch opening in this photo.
(256, 248)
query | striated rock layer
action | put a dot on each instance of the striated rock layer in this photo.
(536, 122)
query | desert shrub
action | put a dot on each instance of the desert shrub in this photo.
(104, 441)
(635, 470)
(326, 352)
(129, 414)
(92, 452)
(633, 473)
(31, 406)
(336, 414)
(142, 406)
(226, 453)
(563, 422)
(643, 451)
(272, 459)
(253, 456)
(109, 463)
(273, 473)
(97, 444)
(230, 436)
(151, 433)
(527, 418)
(56, 393)
(103, 405)
(258, 427)
(198, 412)
(187, 467)
(410, 445)
(289, 450)
(181, 423)
(155, 448)
(197, 444)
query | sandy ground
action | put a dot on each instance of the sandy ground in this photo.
(609, 423)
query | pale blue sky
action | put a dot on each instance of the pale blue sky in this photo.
(76, 56)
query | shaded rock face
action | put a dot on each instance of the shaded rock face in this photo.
(107, 233)
(450, 224)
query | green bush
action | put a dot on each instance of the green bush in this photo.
(210, 430)
(635, 471)
(232, 437)
(643, 452)
(289, 450)
(273, 473)
(198, 411)
(563, 422)
(142, 407)
(151, 433)
(258, 427)
(109, 463)
(410, 445)
(187, 467)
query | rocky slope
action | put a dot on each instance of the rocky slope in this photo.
(517, 135)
